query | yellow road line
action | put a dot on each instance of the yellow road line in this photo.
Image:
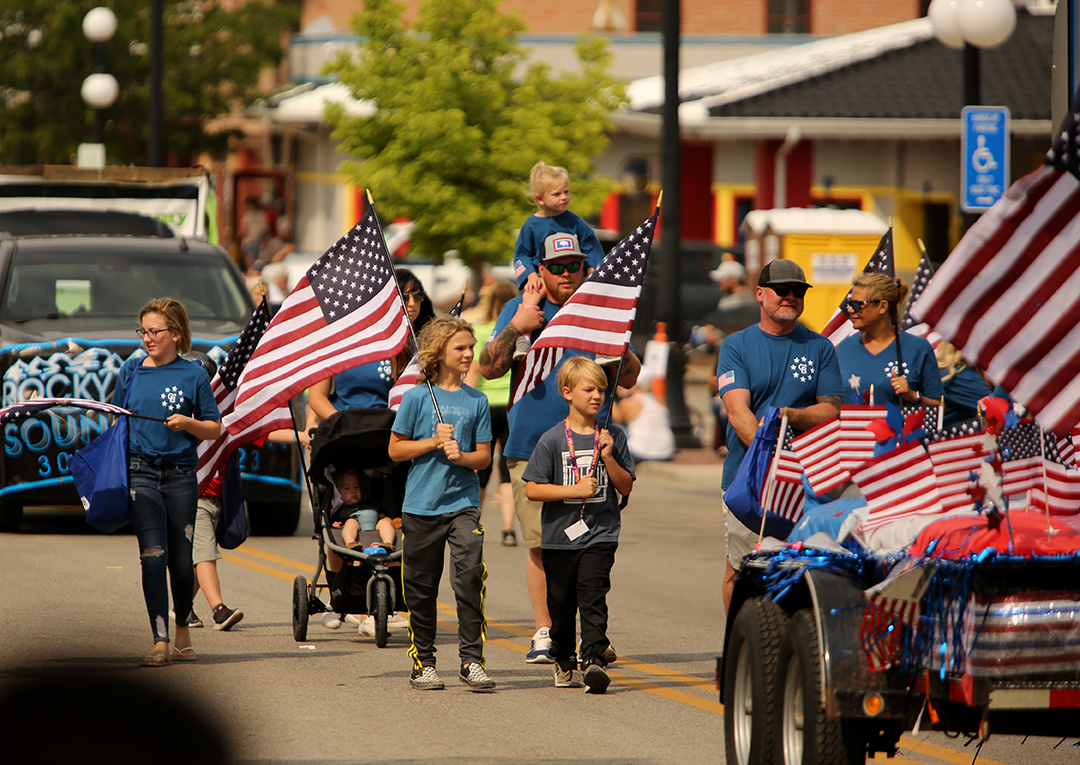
(274, 572)
(307, 568)
(940, 752)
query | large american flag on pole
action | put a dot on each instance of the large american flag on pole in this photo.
(598, 317)
(344, 312)
(213, 455)
(881, 262)
(1009, 294)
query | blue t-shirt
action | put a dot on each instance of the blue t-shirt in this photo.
(365, 386)
(550, 463)
(179, 387)
(530, 242)
(436, 485)
(962, 393)
(544, 405)
(779, 370)
(859, 369)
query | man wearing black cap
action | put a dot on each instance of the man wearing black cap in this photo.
(777, 362)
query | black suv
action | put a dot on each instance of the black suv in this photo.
(68, 308)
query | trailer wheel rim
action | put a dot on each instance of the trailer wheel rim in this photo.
(743, 705)
(792, 717)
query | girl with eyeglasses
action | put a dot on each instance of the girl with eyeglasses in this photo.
(905, 377)
(161, 466)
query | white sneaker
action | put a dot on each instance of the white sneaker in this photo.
(352, 619)
(539, 648)
(367, 627)
(331, 621)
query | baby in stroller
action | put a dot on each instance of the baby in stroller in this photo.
(353, 517)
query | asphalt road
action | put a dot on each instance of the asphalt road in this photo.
(72, 605)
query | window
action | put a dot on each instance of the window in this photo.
(649, 15)
(788, 17)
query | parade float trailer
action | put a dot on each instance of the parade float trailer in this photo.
(80, 252)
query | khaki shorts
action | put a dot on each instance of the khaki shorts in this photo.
(204, 544)
(739, 539)
(528, 512)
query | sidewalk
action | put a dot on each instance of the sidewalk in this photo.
(698, 466)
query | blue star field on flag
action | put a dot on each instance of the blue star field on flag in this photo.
(234, 363)
(352, 271)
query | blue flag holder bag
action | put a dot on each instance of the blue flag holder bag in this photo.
(100, 473)
(743, 497)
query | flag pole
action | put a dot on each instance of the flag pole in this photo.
(770, 479)
(401, 297)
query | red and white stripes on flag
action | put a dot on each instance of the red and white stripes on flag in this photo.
(598, 317)
(787, 496)
(411, 373)
(1058, 492)
(346, 311)
(830, 451)
(1009, 294)
(891, 606)
(954, 460)
(898, 485)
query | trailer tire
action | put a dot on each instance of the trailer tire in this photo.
(807, 735)
(749, 682)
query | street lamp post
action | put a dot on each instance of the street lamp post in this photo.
(99, 90)
(971, 25)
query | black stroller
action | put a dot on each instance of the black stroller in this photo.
(356, 439)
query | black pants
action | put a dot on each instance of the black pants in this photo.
(579, 581)
(424, 540)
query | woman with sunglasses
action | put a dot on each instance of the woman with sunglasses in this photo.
(908, 376)
(161, 466)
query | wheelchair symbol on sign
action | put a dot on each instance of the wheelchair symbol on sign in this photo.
(982, 160)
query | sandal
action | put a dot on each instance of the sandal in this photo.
(354, 545)
(183, 654)
(154, 660)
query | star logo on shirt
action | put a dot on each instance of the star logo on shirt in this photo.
(890, 370)
(385, 369)
(802, 369)
(172, 398)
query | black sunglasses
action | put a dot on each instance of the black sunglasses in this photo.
(558, 268)
(855, 306)
(783, 290)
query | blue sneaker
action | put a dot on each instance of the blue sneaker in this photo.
(540, 648)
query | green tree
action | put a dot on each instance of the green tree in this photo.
(460, 119)
(213, 59)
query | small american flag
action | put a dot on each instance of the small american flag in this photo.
(1059, 493)
(30, 407)
(1021, 450)
(598, 317)
(954, 459)
(898, 485)
(1007, 295)
(787, 497)
(344, 312)
(909, 323)
(214, 455)
(881, 262)
(409, 375)
(830, 451)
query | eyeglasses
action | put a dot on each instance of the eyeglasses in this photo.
(558, 268)
(855, 306)
(152, 332)
(417, 295)
(783, 290)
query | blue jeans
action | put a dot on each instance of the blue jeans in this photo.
(163, 502)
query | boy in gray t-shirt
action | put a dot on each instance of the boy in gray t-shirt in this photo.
(576, 470)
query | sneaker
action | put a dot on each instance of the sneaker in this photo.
(568, 678)
(521, 347)
(474, 676)
(540, 648)
(194, 621)
(509, 538)
(331, 621)
(609, 656)
(225, 617)
(367, 627)
(596, 679)
(397, 620)
(353, 619)
(426, 679)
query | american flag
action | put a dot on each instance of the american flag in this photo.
(955, 458)
(1008, 294)
(407, 378)
(918, 286)
(214, 455)
(829, 451)
(598, 317)
(1022, 451)
(1060, 490)
(344, 312)
(787, 497)
(898, 486)
(881, 262)
(891, 606)
(30, 407)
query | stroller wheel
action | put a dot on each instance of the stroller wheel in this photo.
(381, 612)
(300, 605)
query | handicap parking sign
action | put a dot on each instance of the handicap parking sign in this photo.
(984, 160)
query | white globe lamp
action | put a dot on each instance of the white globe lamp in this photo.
(986, 23)
(99, 25)
(100, 90)
(944, 17)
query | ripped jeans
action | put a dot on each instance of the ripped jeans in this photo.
(162, 508)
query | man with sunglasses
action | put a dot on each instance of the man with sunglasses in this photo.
(777, 362)
(562, 272)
